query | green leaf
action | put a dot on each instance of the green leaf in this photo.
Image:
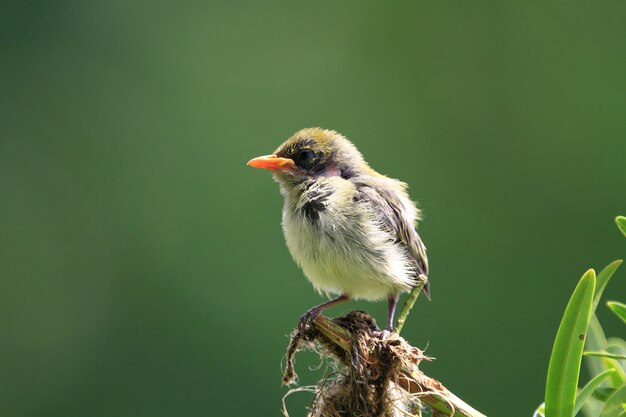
(617, 346)
(605, 355)
(595, 341)
(619, 377)
(603, 394)
(603, 279)
(621, 224)
(588, 389)
(564, 367)
(592, 408)
(619, 309)
(614, 406)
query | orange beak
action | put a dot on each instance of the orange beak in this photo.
(271, 162)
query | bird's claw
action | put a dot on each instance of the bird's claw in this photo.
(387, 335)
(307, 317)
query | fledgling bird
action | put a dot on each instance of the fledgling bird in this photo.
(350, 229)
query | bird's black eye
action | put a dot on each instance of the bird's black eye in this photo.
(307, 159)
(305, 155)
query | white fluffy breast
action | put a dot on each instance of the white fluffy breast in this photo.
(342, 249)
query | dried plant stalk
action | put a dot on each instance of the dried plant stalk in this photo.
(381, 377)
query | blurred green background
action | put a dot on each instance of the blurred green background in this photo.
(142, 267)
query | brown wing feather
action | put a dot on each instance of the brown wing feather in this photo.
(394, 216)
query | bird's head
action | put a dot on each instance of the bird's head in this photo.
(312, 153)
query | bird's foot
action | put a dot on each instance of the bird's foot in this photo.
(387, 335)
(307, 317)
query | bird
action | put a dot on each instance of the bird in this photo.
(351, 230)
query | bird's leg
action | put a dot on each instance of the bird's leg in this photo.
(392, 302)
(313, 312)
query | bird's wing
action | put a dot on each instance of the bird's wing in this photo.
(398, 213)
